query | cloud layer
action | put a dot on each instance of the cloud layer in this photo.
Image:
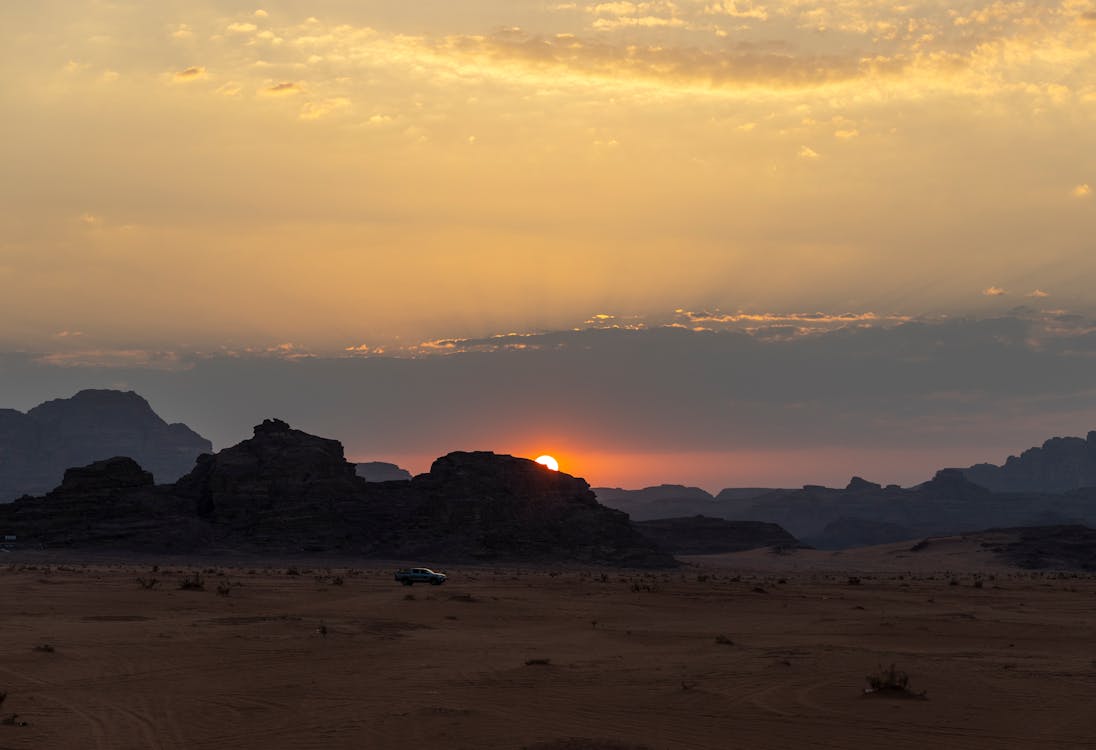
(742, 400)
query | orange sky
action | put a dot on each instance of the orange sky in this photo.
(188, 181)
(334, 174)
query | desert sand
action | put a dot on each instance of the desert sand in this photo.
(755, 650)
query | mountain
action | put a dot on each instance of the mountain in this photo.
(284, 490)
(37, 447)
(675, 500)
(949, 503)
(1060, 465)
(380, 471)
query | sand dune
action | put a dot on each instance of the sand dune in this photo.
(632, 659)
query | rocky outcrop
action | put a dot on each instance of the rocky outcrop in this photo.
(284, 491)
(37, 447)
(108, 504)
(282, 488)
(709, 536)
(1060, 465)
(104, 478)
(494, 507)
(381, 471)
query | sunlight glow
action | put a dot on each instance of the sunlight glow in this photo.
(549, 462)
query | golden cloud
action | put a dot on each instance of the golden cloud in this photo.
(192, 73)
(285, 88)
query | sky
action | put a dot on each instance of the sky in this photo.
(502, 224)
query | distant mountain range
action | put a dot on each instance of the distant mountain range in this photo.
(37, 447)
(866, 513)
(286, 490)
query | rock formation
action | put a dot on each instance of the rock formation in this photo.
(500, 507)
(380, 471)
(37, 447)
(284, 491)
(1060, 465)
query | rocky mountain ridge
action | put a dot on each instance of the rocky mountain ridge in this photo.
(37, 447)
(285, 491)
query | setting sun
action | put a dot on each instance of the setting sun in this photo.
(548, 461)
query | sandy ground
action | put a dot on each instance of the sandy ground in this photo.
(632, 659)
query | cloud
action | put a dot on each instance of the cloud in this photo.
(958, 387)
(994, 291)
(241, 28)
(285, 88)
(193, 73)
(806, 152)
(260, 13)
(1083, 190)
(116, 359)
(1037, 293)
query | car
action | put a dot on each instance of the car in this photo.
(409, 576)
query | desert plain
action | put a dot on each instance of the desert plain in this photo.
(748, 650)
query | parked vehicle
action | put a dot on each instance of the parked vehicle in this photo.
(409, 576)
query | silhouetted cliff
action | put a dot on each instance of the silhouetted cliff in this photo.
(381, 471)
(284, 490)
(1060, 465)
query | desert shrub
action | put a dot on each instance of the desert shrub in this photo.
(702, 579)
(192, 583)
(45, 648)
(292, 572)
(854, 581)
(148, 583)
(891, 681)
(224, 589)
(978, 583)
(723, 640)
(537, 662)
(3, 696)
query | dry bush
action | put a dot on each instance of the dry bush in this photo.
(891, 682)
(224, 589)
(194, 583)
(45, 648)
(148, 583)
(537, 662)
(723, 640)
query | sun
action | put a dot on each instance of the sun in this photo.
(549, 462)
